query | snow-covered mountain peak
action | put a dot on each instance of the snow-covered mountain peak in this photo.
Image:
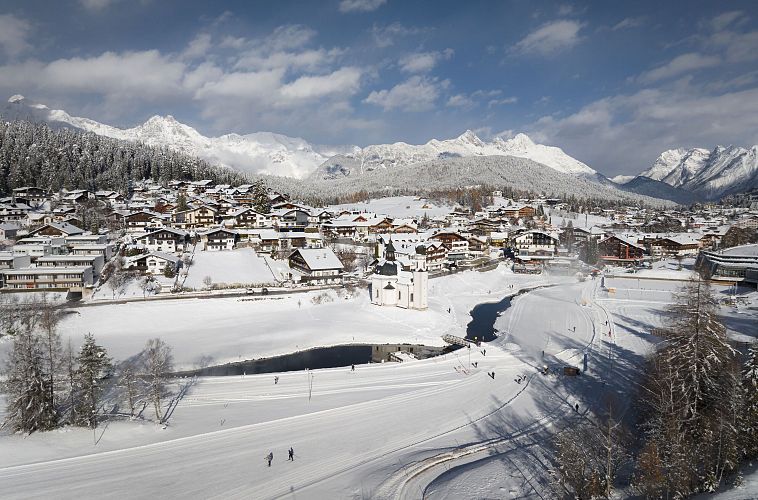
(622, 179)
(468, 144)
(519, 142)
(263, 152)
(469, 137)
(276, 154)
(711, 173)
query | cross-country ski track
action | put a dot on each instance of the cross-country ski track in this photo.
(383, 431)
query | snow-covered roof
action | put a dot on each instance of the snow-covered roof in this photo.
(159, 255)
(320, 258)
(742, 250)
(63, 227)
(177, 232)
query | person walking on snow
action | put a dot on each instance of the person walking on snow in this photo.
(292, 454)
(270, 457)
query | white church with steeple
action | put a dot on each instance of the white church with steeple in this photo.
(391, 285)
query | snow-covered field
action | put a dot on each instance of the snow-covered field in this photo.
(241, 266)
(397, 206)
(437, 428)
(221, 330)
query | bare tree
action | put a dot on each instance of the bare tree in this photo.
(129, 382)
(691, 398)
(348, 257)
(590, 453)
(146, 284)
(158, 364)
(208, 282)
(49, 318)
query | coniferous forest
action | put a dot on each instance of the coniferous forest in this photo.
(34, 154)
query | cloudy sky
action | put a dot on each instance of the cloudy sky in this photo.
(612, 83)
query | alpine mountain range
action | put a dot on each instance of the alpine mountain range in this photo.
(679, 175)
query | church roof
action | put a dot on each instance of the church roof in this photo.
(386, 268)
(389, 287)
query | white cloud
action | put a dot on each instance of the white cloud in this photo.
(136, 76)
(737, 47)
(503, 101)
(460, 101)
(198, 47)
(247, 86)
(423, 62)
(96, 4)
(490, 97)
(344, 81)
(14, 35)
(309, 59)
(385, 36)
(625, 133)
(679, 65)
(275, 82)
(418, 93)
(550, 38)
(290, 36)
(723, 20)
(360, 5)
(628, 23)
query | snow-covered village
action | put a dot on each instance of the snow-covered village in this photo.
(501, 265)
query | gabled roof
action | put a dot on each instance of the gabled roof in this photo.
(319, 259)
(160, 255)
(177, 232)
(218, 230)
(64, 227)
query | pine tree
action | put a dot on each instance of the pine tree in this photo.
(93, 366)
(261, 201)
(30, 407)
(181, 202)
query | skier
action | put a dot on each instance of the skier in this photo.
(576, 407)
(270, 457)
(276, 380)
(352, 368)
(574, 329)
(448, 310)
(292, 454)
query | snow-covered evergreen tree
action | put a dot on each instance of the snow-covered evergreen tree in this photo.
(30, 407)
(93, 366)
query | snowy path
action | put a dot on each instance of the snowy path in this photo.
(328, 443)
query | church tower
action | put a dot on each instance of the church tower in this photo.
(389, 251)
(420, 279)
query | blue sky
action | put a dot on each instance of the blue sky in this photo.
(612, 83)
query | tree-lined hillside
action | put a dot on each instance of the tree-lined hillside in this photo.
(33, 154)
